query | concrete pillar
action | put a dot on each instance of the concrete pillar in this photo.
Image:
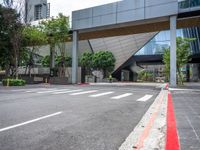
(75, 57)
(173, 51)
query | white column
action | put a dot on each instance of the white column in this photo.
(75, 57)
(173, 51)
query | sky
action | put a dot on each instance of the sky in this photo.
(67, 6)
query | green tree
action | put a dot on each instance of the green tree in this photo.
(57, 30)
(105, 61)
(183, 51)
(86, 62)
(46, 61)
(33, 38)
(10, 39)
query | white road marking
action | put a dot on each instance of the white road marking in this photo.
(51, 91)
(19, 90)
(30, 121)
(122, 96)
(145, 98)
(35, 90)
(101, 94)
(85, 92)
(63, 92)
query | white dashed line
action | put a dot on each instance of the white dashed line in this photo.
(85, 92)
(64, 92)
(145, 98)
(51, 91)
(101, 94)
(30, 121)
(35, 90)
(122, 96)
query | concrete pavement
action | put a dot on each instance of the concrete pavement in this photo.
(187, 110)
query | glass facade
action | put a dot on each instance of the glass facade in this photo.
(161, 41)
(193, 33)
(184, 4)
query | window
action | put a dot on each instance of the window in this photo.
(38, 12)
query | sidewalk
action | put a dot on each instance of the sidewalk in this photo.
(187, 112)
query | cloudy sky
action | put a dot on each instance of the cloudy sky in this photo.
(67, 6)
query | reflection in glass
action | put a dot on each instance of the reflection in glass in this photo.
(162, 41)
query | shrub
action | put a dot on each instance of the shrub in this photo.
(13, 82)
(145, 76)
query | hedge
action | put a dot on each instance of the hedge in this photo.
(13, 82)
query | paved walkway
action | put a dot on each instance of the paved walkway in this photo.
(187, 111)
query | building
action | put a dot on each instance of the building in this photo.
(131, 17)
(36, 10)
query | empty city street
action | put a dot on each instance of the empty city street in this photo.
(71, 117)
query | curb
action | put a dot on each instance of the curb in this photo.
(157, 129)
(150, 132)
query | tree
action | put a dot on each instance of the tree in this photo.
(33, 38)
(103, 60)
(86, 61)
(11, 39)
(46, 61)
(57, 31)
(61, 63)
(183, 51)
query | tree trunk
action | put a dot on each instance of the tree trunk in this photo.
(7, 69)
(16, 67)
(179, 76)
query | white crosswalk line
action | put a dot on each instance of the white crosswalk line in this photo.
(145, 98)
(85, 92)
(42, 89)
(101, 94)
(43, 92)
(22, 90)
(64, 92)
(122, 96)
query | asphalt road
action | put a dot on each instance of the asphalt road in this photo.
(70, 117)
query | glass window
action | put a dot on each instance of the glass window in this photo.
(38, 12)
(162, 41)
(188, 3)
(194, 3)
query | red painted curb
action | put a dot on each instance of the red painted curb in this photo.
(172, 141)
